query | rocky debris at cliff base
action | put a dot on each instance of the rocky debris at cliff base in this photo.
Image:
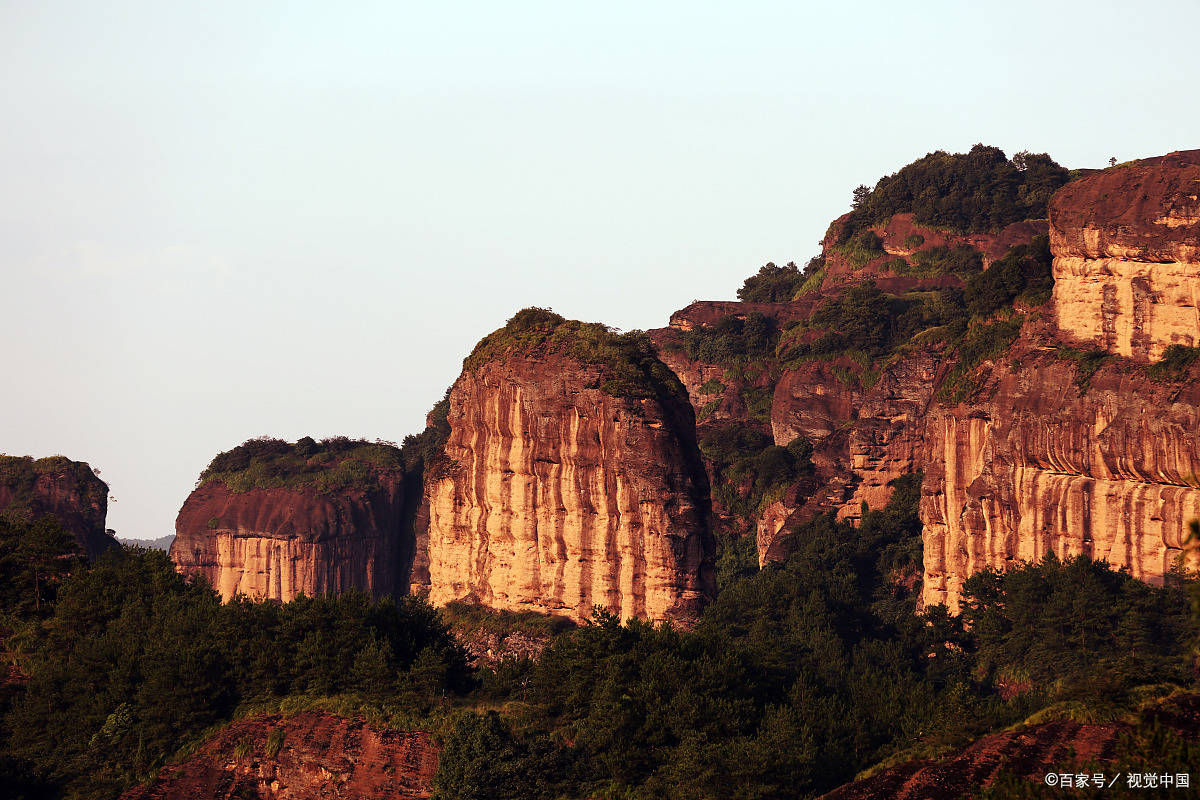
(314, 755)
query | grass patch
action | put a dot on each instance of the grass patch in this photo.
(981, 342)
(274, 742)
(811, 284)
(861, 248)
(628, 364)
(1087, 363)
(1092, 711)
(1177, 359)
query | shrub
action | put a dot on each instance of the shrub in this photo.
(771, 284)
(862, 248)
(1023, 273)
(962, 260)
(732, 338)
(861, 315)
(752, 471)
(1087, 363)
(981, 342)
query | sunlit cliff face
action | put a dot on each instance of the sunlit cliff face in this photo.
(560, 497)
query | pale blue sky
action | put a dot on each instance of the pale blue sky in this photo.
(226, 219)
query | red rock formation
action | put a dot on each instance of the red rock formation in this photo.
(1028, 752)
(67, 490)
(893, 233)
(863, 437)
(311, 756)
(277, 543)
(560, 496)
(1126, 245)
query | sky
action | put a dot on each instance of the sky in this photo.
(222, 220)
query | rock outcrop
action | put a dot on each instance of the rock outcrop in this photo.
(571, 479)
(864, 437)
(310, 756)
(67, 490)
(334, 527)
(1126, 245)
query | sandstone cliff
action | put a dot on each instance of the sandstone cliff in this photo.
(67, 490)
(1037, 464)
(286, 523)
(864, 437)
(570, 479)
(1126, 245)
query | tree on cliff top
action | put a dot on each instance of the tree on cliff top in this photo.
(973, 192)
(334, 464)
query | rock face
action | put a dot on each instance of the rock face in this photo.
(315, 755)
(1126, 245)
(276, 543)
(1041, 467)
(67, 490)
(557, 496)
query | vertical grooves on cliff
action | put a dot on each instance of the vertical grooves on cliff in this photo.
(573, 498)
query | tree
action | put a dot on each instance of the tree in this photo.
(860, 196)
(35, 557)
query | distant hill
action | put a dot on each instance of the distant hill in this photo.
(161, 543)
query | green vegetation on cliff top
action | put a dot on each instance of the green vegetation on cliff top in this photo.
(335, 464)
(975, 192)
(629, 366)
(20, 473)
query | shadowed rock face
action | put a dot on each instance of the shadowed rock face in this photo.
(863, 438)
(557, 497)
(67, 490)
(1126, 245)
(277, 543)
